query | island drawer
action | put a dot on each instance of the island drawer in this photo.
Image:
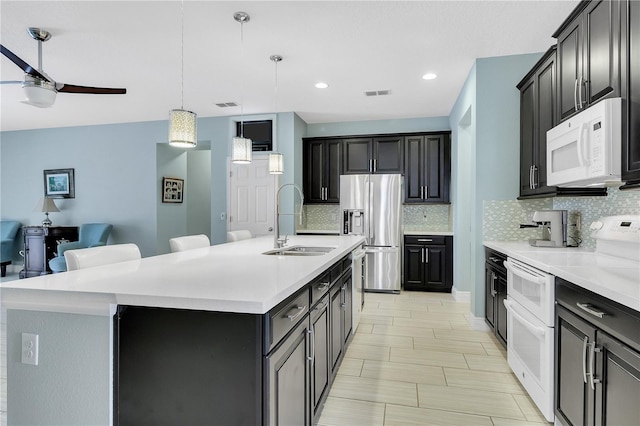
(284, 317)
(320, 286)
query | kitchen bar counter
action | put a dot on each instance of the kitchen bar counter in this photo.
(232, 277)
(444, 233)
(614, 278)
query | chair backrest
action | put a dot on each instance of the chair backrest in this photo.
(242, 234)
(8, 229)
(189, 242)
(103, 255)
(94, 233)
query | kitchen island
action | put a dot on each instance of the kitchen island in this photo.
(226, 303)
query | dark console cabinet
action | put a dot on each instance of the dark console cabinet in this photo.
(41, 245)
(495, 293)
(428, 263)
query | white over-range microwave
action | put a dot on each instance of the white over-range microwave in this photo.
(585, 150)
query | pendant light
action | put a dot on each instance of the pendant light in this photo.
(276, 159)
(241, 151)
(183, 132)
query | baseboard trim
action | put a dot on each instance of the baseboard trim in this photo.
(478, 323)
(461, 296)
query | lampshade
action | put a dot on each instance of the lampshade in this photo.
(46, 205)
(276, 163)
(39, 95)
(241, 150)
(182, 128)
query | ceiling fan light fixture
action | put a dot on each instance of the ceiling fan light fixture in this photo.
(242, 148)
(39, 93)
(183, 132)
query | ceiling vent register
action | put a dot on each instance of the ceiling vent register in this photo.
(377, 92)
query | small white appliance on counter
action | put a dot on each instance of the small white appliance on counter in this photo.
(585, 150)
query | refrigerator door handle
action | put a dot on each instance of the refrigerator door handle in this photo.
(372, 231)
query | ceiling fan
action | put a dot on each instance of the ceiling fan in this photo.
(40, 89)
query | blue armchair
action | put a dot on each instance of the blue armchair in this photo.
(91, 235)
(8, 232)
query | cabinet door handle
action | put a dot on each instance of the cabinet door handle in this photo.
(588, 307)
(370, 166)
(425, 240)
(585, 345)
(494, 292)
(575, 95)
(422, 192)
(426, 192)
(530, 177)
(426, 255)
(375, 164)
(592, 361)
(422, 255)
(295, 312)
(313, 344)
(580, 83)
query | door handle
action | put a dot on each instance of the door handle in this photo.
(493, 284)
(426, 255)
(297, 311)
(422, 255)
(585, 345)
(588, 307)
(580, 82)
(534, 170)
(370, 166)
(375, 164)
(313, 344)
(424, 240)
(592, 358)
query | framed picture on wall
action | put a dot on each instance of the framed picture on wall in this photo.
(59, 183)
(172, 190)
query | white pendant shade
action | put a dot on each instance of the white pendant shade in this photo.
(182, 128)
(276, 163)
(241, 150)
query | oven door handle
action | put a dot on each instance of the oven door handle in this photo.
(516, 270)
(538, 331)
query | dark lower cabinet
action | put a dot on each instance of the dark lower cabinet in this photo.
(289, 378)
(597, 359)
(321, 368)
(174, 366)
(341, 318)
(428, 263)
(495, 294)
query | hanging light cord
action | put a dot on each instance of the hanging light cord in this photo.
(275, 90)
(182, 56)
(241, 79)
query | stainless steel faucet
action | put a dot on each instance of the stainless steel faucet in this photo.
(277, 241)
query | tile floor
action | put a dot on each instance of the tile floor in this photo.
(415, 361)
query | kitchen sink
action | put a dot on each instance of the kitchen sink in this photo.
(299, 251)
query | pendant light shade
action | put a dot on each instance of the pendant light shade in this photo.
(182, 123)
(241, 150)
(276, 163)
(182, 128)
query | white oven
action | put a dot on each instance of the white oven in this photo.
(530, 337)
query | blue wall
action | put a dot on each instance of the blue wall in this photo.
(491, 153)
(407, 125)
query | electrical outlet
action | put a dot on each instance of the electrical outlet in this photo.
(30, 348)
(223, 216)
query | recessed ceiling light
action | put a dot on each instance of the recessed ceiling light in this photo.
(429, 76)
(321, 85)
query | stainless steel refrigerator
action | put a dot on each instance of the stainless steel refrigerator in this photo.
(371, 205)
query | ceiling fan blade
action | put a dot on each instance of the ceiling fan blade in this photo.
(71, 88)
(11, 82)
(22, 64)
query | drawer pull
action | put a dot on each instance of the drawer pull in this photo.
(588, 307)
(322, 286)
(296, 312)
(424, 240)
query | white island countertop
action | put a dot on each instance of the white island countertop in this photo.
(615, 278)
(232, 277)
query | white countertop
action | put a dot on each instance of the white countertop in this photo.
(232, 277)
(318, 231)
(614, 278)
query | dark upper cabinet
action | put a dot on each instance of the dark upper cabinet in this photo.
(631, 106)
(373, 155)
(427, 170)
(538, 106)
(588, 56)
(321, 179)
(428, 263)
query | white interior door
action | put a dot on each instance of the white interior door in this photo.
(251, 197)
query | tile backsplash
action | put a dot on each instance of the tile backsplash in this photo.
(501, 219)
(435, 217)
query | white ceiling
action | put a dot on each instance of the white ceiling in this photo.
(355, 46)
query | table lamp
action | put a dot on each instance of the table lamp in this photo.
(46, 205)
